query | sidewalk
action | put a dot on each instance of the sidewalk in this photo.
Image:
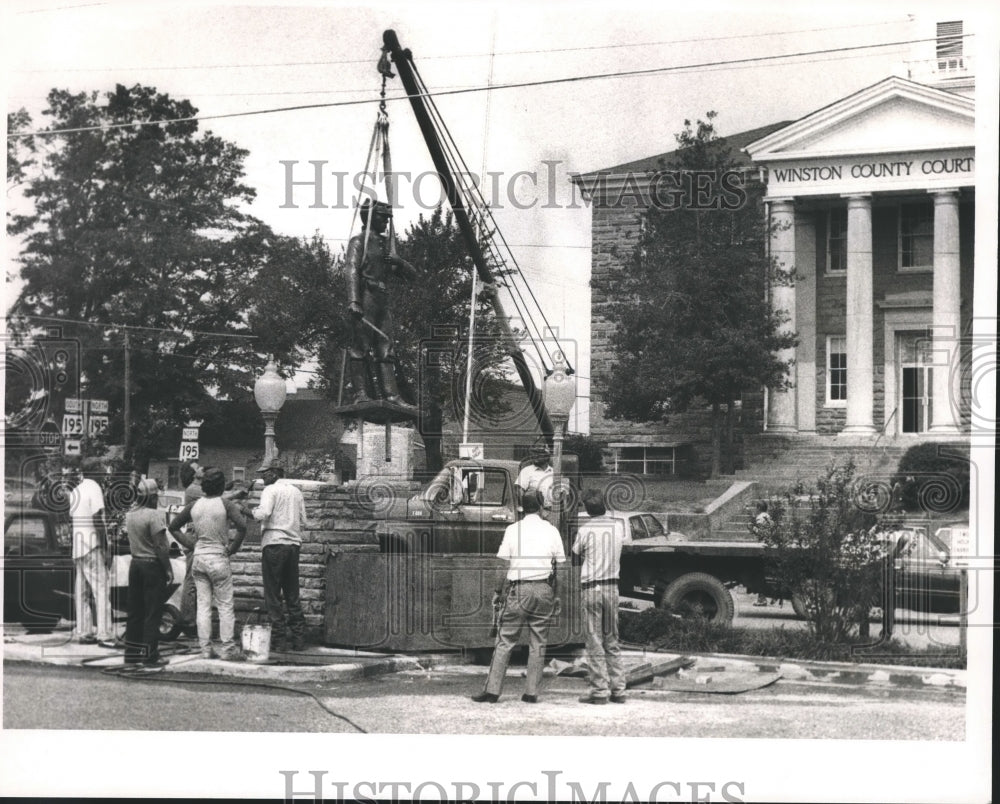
(721, 673)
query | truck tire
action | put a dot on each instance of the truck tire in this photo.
(698, 594)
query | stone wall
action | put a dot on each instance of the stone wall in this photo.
(616, 231)
(335, 519)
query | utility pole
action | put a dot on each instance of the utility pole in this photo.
(128, 412)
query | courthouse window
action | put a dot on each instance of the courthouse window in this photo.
(916, 236)
(949, 45)
(836, 370)
(836, 241)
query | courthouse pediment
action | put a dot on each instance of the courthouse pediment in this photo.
(893, 116)
(894, 136)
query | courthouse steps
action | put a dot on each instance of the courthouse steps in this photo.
(777, 462)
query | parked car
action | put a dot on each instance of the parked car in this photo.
(928, 567)
(37, 568)
(38, 573)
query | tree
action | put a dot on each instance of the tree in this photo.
(20, 150)
(694, 324)
(136, 246)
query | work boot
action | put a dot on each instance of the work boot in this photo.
(359, 379)
(233, 654)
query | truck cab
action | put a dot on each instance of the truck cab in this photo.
(464, 509)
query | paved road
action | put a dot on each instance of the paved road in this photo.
(437, 702)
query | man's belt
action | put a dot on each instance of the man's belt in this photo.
(373, 284)
(529, 580)
(599, 583)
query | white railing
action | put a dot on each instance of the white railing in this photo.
(941, 68)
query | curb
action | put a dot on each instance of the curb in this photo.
(349, 665)
(847, 673)
(343, 665)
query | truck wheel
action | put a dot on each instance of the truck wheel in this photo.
(170, 623)
(699, 594)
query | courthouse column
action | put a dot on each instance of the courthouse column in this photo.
(945, 319)
(781, 403)
(860, 318)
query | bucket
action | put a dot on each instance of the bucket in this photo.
(256, 642)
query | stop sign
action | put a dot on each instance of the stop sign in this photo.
(50, 436)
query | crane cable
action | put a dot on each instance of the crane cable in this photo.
(483, 217)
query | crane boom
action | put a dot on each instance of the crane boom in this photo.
(403, 61)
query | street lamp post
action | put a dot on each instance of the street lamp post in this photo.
(559, 394)
(269, 392)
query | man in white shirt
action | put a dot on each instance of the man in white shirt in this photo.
(532, 547)
(598, 545)
(282, 512)
(90, 583)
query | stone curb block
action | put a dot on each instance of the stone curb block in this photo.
(352, 671)
(850, 674)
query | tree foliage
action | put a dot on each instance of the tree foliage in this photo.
(934, 478)
(137, 236)
(694, 326)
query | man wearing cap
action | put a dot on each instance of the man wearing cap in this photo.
(90, 533)
(282, 514)
(536, 476)
(372, 265)
(149, 575)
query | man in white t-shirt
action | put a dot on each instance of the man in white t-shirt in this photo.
(598, 545)
(90, 584)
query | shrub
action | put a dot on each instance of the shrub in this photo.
(933, 478)
(827, 549)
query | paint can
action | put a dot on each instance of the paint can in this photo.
(256, 643)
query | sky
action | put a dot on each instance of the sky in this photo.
(234, 59)
(231, 59)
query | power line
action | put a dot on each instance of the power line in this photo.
(539, 51)
(495, 87)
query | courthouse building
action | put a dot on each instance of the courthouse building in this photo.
(872, 202)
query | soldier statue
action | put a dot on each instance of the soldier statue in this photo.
(372, 265)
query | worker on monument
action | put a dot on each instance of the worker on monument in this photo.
(372, 265)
